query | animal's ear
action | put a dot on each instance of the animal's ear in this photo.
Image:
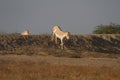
(69, 33)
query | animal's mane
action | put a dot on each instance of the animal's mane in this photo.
(59, 27)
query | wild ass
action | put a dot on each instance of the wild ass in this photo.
(58, 33)
(25, 34)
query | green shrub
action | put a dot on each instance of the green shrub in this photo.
(107, 29)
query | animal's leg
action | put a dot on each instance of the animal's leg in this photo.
(62, 44)
(55, 39)
(24, 37)
(27, 36)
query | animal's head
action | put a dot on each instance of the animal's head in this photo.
(68, 35)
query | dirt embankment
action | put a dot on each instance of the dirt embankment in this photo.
(103, 43)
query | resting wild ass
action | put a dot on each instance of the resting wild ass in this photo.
(25, 34)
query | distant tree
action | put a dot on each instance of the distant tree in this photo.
(107, 29)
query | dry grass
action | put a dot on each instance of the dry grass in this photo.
(53, 72)
(38, 47)
(79, 46)
(35, 68)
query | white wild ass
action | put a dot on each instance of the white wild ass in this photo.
(25, 34)
(58, 33)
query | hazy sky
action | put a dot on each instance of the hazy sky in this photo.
(39, 16)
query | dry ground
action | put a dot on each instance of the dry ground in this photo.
(23, 67)
(86, 57)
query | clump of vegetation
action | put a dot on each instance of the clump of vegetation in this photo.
(107, 29)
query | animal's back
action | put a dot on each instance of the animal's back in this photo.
(25, 32)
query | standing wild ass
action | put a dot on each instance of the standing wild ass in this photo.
(58, 33)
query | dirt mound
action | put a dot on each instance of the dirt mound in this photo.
(104, 43)
(107, 43)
